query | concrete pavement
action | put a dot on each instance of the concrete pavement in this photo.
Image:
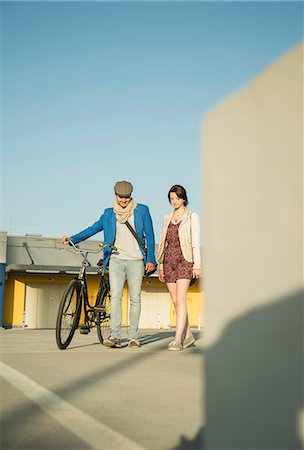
(89, 396)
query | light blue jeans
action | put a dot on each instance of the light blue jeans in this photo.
(121, 270)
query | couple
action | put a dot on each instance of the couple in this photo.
(178, 256)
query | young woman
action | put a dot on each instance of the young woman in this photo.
(179, 260)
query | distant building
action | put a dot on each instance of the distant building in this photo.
(36, 270)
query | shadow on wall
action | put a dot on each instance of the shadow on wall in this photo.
(254, 380)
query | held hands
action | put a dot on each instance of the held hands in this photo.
(65, 240)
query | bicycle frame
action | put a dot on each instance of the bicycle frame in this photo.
(75, 300)
(90, 310)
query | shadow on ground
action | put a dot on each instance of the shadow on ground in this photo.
(191, 444)
(254, 380)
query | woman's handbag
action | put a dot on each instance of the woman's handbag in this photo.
(193, 280)
(141, 245)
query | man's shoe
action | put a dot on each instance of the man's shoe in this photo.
(175, 346)
(189, 341)
(134, 343)
(112, 342)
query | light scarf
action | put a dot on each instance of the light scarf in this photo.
(123, 214)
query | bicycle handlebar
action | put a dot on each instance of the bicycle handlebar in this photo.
(85, 250)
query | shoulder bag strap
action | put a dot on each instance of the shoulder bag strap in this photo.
(136, 236)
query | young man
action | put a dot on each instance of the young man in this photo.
(129, 261)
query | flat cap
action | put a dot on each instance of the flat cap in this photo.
(123, 188)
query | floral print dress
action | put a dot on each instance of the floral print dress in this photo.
(175, 265)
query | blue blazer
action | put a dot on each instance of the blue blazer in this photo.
(107, 223)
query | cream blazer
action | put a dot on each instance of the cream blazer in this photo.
(191, 253)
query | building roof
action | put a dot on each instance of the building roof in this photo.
(37, 254)
(46, 255)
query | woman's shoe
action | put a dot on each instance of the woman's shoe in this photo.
(174, 346)
(189, 341)
(134, 343)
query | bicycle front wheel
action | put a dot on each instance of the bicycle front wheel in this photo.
(68, 314)
(103, 316)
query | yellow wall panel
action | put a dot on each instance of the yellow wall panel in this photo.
(8, 302)
(19, 296)
(14, 302)
(125, 308)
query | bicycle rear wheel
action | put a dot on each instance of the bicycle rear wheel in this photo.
(68, 314)
(103, 316)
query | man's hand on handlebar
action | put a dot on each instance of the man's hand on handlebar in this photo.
(65, 240)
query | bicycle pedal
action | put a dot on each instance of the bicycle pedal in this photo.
(84, 330)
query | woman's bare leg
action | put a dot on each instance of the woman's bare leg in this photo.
(178, 292)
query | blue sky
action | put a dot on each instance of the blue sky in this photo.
(95, 92)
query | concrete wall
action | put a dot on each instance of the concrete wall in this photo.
(253, 162)
(3, 246)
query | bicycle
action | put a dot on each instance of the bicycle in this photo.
(75, 300)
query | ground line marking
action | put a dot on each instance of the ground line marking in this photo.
(94, 433)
